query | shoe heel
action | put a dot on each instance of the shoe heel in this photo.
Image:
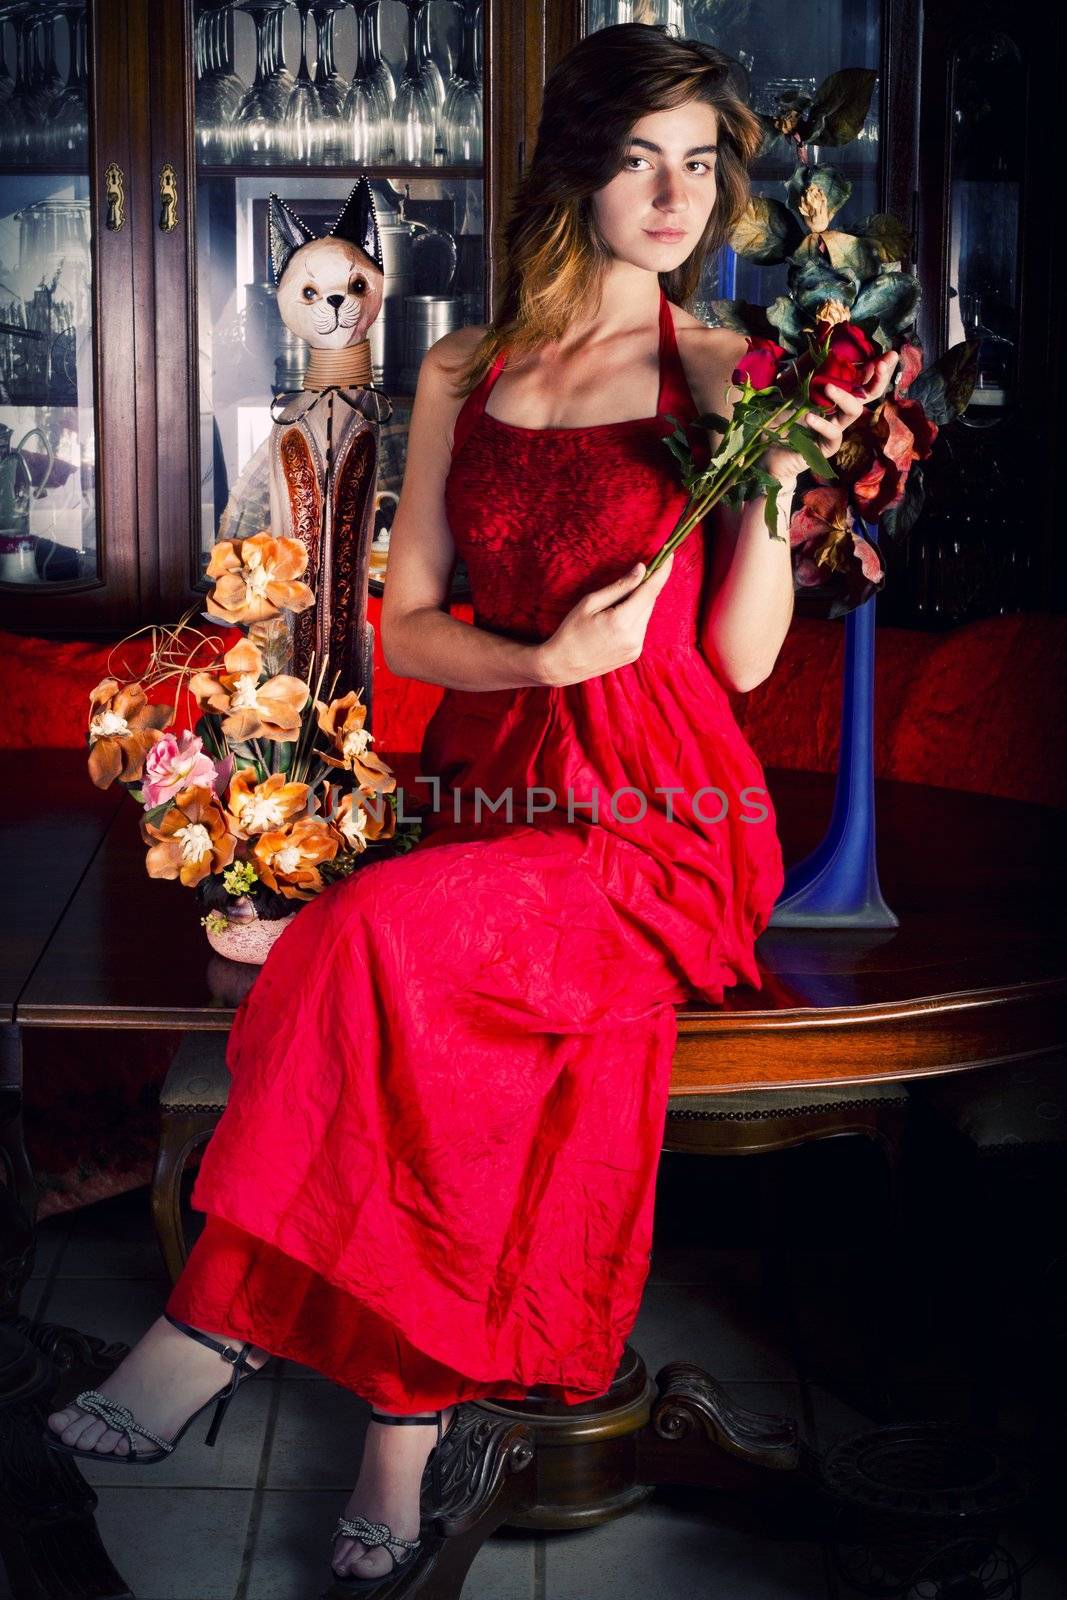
(216, 1421)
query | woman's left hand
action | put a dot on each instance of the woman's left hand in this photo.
(830, 426)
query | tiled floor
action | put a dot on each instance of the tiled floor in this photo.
(250, 1519)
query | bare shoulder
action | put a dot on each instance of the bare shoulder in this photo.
(438, 399)
(449, 354)
(708, 357)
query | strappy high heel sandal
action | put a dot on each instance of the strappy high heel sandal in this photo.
(375, 1533)
(123, 1420)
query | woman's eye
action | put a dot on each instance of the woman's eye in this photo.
(703, 164)
(309, 293)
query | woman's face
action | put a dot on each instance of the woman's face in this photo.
(666, 185)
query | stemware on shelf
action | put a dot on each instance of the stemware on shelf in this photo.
(461, 115)
(259, 133)
(219, 90)
(307, 124)
(333, 88)
(64, 137)
(49, 78)
(367, 113)
(22, 113)
(415, 107)
(7, 82)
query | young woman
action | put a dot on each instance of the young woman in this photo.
(434, 1180)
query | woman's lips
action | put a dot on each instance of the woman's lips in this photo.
(667, 235)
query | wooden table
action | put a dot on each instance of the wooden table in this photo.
(975, 973)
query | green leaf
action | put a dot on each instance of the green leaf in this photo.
(734, 442)
(157, 812)
(839, 110)
(711, 419)
(803, 443)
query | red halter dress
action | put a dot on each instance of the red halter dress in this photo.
(434, 1180)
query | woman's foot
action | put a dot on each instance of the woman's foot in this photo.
(388, 1490)
(164, 1379)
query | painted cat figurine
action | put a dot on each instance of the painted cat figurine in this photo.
(324, 445)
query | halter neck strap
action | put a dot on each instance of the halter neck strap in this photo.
(674, 395)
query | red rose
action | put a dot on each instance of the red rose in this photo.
(849, 364)
(759, 364)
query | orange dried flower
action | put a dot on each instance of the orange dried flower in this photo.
(358, 826)
(253, 807)
(287, 859)
(343, 720)
(123, 727)
(193, 839)
(250, 709)
(256, 578)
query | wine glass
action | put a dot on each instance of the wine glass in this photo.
(368, 109)
(305, 117)
(332, 88)
(328, 81)
(22, 112)
(219, 90)
(461, 115)
(258, 126)
(415, 107)
(67, 123)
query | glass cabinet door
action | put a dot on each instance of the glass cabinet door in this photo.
(784, 50)
(300, 98)
(64, 223)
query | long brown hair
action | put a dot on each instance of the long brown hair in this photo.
(554, 254)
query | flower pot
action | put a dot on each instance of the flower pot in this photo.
(249, 939)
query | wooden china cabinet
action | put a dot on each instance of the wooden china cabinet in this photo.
(139, 341)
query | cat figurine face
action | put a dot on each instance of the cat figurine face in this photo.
(329, 288)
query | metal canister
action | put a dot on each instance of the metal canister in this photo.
(427, 318)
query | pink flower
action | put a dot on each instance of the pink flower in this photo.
(171, 767)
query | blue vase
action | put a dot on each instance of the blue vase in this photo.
(836, 886)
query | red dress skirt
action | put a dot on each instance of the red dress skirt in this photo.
(434, 1180)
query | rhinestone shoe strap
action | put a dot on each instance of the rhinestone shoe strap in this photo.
(118, 1417)
(372, 1533)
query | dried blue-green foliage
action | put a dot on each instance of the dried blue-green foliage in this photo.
(832, 185)
(767, 232)
(944, 388)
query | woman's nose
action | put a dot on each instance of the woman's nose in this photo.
(671, 194)
(335, 300)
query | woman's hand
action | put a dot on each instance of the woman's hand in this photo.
(605, 630)
(829, 426)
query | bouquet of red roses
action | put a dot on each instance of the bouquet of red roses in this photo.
(777, 389)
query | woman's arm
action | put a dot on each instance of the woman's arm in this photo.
(751, 592)
(419, 638)
(750, 585)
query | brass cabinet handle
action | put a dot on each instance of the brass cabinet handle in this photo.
(115, 193)
(168, 198)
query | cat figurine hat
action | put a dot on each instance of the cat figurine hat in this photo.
(329, 286)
